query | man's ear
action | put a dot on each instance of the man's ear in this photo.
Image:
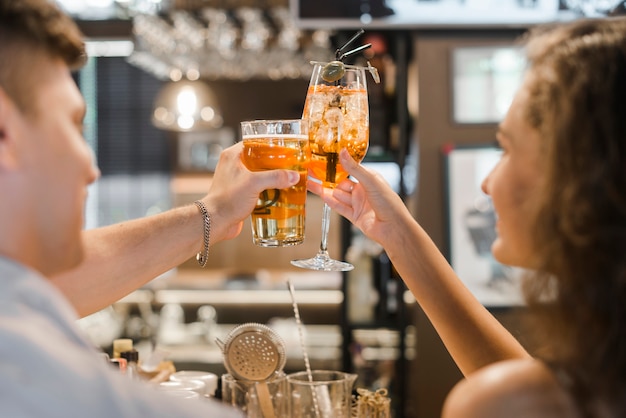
(3, 110)
(7, 140)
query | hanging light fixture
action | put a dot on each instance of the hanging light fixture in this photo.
(185, 106)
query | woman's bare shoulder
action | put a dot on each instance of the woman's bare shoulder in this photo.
(514, 388)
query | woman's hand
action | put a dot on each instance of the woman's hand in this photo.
(370, 204)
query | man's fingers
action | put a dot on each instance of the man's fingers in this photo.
(277, 179)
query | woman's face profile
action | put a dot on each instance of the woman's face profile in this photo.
(514, 184)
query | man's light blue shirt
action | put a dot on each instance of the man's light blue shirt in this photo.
(48, 369)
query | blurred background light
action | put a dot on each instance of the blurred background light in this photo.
(186, 105)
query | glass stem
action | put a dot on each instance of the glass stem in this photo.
(325, 226)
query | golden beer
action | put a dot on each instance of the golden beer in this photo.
(279, 216)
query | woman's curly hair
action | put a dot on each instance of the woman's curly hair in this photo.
(577, 87)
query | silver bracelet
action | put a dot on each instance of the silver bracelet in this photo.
(204, 255)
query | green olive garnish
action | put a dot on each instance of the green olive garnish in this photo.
(333, 71)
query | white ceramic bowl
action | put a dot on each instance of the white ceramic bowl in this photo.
(209, 379)
(197, 386)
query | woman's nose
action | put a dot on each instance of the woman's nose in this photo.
(484, 185)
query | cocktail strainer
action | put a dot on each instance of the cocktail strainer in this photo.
(254, 353)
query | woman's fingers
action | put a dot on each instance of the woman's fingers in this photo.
(314, 187)
(343, 192)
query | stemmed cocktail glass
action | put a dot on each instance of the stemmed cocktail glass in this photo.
(337, 112)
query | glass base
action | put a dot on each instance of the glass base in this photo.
(273, 242)
(322, 262)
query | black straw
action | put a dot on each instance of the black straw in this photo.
(354, 38)
(354, 51)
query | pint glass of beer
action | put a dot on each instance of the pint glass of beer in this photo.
(278, 218)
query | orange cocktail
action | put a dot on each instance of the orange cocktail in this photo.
(337, 113)
(338, 118)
